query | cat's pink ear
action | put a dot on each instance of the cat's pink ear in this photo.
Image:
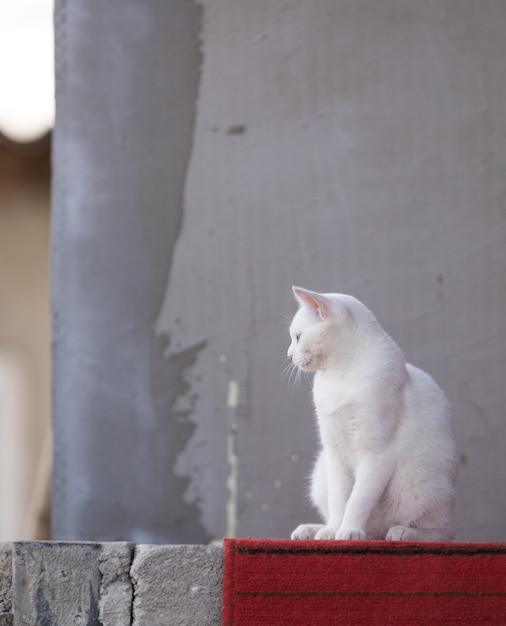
(317, 303)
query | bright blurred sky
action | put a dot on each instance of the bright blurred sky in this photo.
(26, 68)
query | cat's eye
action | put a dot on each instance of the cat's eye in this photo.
(297, 337)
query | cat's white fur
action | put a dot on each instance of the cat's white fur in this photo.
(387, 465)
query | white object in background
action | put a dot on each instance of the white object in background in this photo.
(13, 419)
(26, 69)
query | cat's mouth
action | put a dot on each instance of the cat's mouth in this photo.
(302, 363)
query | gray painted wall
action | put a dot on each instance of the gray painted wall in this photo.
(207, 156)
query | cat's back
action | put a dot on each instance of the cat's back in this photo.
(424, 394)
(426, 431)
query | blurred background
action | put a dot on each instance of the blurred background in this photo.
(26, 119)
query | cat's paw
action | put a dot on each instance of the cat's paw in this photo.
(397, 533)
(406, 533)
(306, 531)
(326, 533)
(350, 534)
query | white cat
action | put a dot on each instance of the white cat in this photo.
(387, 465)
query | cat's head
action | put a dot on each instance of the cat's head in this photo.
(323, 330)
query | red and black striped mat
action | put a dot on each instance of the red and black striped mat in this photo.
(278, 583)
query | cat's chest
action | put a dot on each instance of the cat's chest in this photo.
(341, 415)
(331, 393)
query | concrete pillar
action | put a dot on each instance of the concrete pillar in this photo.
(127, 79)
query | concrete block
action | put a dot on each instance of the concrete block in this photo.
(56, 583)
(177, 585)
(116, 592)
(6, 584)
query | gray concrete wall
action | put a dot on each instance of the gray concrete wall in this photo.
(207, 157)
(109, 584)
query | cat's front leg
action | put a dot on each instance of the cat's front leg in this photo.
(338, 489)
(372, 476)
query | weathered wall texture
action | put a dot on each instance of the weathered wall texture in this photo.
(347, 145)
(109, 584)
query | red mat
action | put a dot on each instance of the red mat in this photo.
(292, 583)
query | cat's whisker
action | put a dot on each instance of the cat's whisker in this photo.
(295, 376)
(297, 379)
(288, 316)
(292, 379)
(287, 370)
(291, 373)
(306, 376)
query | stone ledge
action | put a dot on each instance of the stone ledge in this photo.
(109, 584)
